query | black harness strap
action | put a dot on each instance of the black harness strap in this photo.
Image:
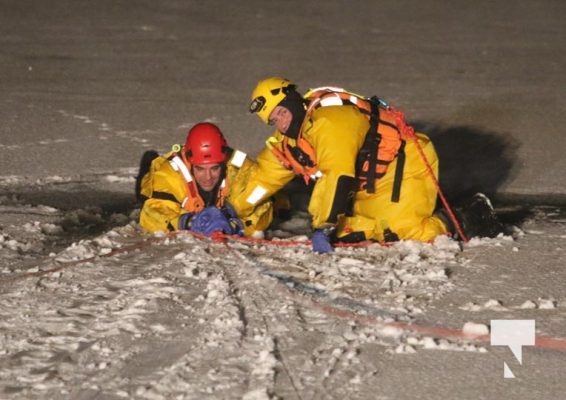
(396, 193)
(164, 196)
(375, 138)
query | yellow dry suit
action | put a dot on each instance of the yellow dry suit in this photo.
(363, 196)
(169, 191)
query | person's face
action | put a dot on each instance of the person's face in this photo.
(207, 176)
(281, 118)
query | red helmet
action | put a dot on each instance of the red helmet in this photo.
(205, 144)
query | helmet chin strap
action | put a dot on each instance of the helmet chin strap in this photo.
(295, 103)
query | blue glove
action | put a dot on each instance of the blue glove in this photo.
(321, 242)
(210, 220)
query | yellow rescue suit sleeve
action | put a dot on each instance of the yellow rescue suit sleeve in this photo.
(268, 177)
(165, 190)
(259, 217)
(336, 133)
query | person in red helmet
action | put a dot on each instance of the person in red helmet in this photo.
(190, 187)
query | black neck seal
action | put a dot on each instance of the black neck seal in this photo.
(296, 104)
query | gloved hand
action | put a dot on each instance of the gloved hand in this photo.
(213, 219)
(185, 221)
(321, 242)
(233, 219)
(209, 220)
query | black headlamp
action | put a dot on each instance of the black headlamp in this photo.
(257, 104)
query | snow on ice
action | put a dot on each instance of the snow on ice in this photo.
(127, 314)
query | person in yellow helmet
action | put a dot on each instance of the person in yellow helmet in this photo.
(190, 187)
(370, 182)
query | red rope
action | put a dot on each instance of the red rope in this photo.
(220, 237)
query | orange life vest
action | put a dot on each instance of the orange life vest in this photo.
(384, 141)
(300, 157)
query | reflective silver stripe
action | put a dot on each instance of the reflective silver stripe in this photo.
(316, 175)
(331, 88)
(331, 101)
(178, 164)
(223, 184)
(256, 195)
(238, 158)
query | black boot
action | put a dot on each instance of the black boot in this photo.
(476, 217)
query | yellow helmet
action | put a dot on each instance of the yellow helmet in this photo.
(268, 94)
